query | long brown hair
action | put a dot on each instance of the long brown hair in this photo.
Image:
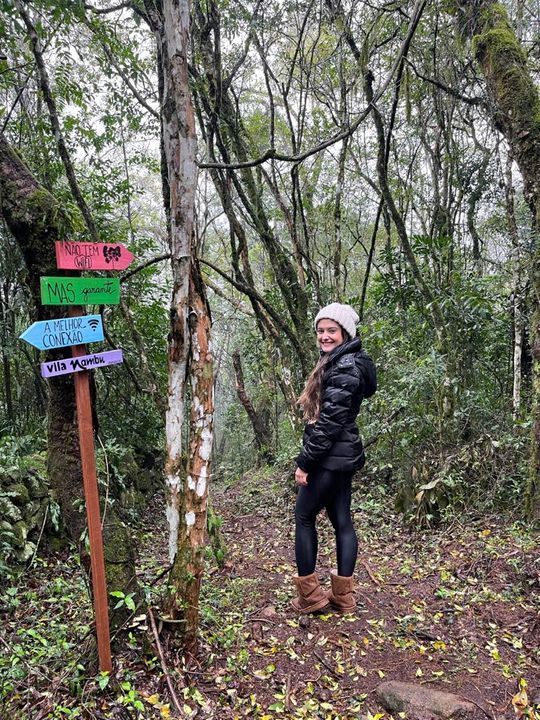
(310, 399)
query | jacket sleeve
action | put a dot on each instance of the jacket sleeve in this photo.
(343, 383)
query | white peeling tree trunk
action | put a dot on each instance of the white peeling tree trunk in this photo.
(180, 145)
(189, 347)
(186, 573)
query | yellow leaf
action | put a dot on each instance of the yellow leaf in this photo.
(380, 673)
(165, 710)
(485, 532)
(520, 700)
(419, 672)
(265, 672)
(153, 699)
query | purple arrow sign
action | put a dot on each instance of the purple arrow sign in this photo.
(84, 362)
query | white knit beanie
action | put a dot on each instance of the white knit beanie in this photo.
(344, 315)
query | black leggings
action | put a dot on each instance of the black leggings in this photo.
(331, 490)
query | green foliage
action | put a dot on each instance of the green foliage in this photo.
(216, 545)
(123, 600)
(467, 460)
(44, 643)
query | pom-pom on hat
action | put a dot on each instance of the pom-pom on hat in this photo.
(344, 315)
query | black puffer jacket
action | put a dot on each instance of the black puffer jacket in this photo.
(333, 441)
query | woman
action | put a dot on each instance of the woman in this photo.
(332, 452)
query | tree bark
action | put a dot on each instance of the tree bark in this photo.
(6, 364)
(187, 571)
(190, 353)
(261, 430)
(518, 291)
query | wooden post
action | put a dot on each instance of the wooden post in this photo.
(88, 462)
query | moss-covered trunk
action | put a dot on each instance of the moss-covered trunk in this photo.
(35, 220)
(516, 112)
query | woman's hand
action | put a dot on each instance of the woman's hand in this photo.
(300, 476)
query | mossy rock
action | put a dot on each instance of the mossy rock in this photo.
(25, 552)
(7, 533)
(34, 513)
(37, 486)
(18, 493)
(132, 500)
(20, 533)
(137, 474)
(24, 498)
(9, 510)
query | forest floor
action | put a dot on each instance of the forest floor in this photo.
(455, 609)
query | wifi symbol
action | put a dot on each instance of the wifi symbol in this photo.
(93, 323)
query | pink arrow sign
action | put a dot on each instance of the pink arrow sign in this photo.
(84, 362)
(92, 256)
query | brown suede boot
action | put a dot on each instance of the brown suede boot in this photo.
(341, 596)
(311, 597)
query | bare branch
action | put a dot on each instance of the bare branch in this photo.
(152, 261)
(130, 85)
(272, 154)
(475, 101)
(253, 294)
(106, 10)
(236, 303)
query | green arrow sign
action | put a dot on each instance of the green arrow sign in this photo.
(80, 291)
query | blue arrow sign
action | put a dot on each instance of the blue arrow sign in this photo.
(63, 332)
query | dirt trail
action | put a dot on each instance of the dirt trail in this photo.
(454, 609)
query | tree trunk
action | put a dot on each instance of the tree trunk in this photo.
(517, 290)
(261, 430)
(6, 364)
(516, 112)
(186, 574)
(190, 354)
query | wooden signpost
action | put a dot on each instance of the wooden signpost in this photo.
(91, 256)
(88, 462)
(84, 362)
(75, 331)
(79, 291)
(64, 332)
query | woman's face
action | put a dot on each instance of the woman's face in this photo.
(329, 335)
